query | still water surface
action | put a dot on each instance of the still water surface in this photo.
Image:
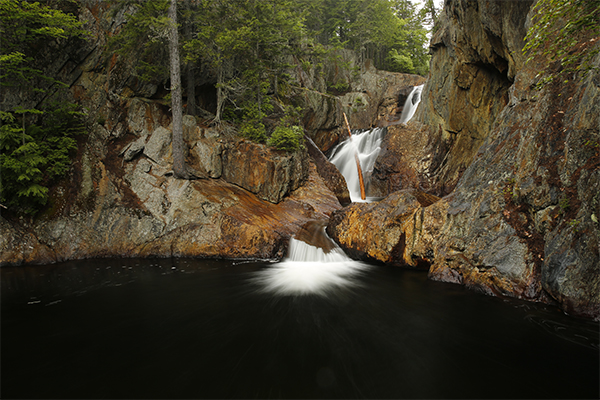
(220, 329)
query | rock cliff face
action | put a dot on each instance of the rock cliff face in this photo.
(519, 169)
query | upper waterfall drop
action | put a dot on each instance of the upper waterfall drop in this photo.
(411, 104)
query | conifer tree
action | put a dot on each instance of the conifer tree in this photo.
(37, 125)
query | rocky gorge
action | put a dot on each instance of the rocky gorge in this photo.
(516, 169)
(494, 184)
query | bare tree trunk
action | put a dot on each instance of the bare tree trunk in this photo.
(191, 89)
(179, 168)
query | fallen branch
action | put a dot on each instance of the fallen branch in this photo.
(360, 175)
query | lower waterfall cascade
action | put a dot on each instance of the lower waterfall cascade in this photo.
(309, 269)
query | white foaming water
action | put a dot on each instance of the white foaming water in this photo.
(310, 270)
(412, 101)
(368, 146)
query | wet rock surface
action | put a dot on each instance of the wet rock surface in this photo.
(389, 231)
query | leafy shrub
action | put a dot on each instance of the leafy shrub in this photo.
(36, 144)
(254, 131)
(288, 138)
(339, 87)
(252, 127)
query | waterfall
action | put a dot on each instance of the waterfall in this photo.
(412, 101)
(316, 267)
(315, 264)
(368, 145)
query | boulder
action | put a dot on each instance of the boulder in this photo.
(158, 147)
(389, 231)
(269, 174)
(208, 153)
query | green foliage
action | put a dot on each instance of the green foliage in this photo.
(24, 27)
(372, 28)
(32, 158)
(574, 223)
(254, 131)
(287, 138)
(564, 204)
(559, 26)
(252, 127)
(292, 116)
(400, 62)
(339, 87)
(306, 65)
(36, 142)
(144, 38)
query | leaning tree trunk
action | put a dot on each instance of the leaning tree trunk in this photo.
(179, 167)
(220, 94)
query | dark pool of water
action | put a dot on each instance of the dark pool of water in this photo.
(206, 329)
